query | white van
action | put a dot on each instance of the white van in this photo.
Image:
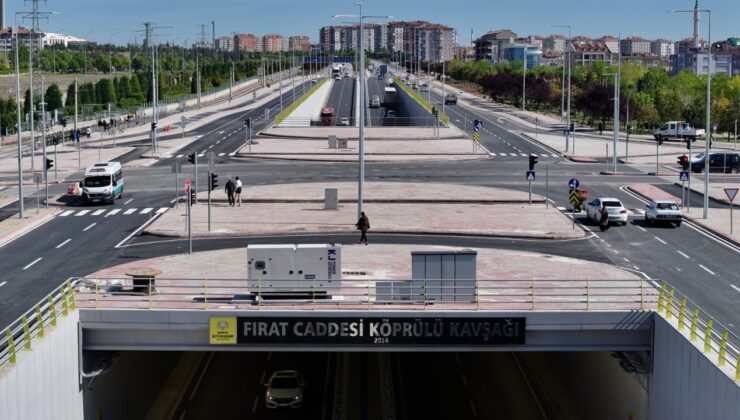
(103, 183)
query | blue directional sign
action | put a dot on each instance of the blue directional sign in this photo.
(573, 184)
(530, 175)
(684, 176)
(478, 124)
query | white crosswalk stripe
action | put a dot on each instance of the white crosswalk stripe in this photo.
(493, 154)
(179, 156)
(503, 154)
(98, 212)
(543, 154)
(146, 210)
(113, 212)
(82, 212)
(201, 155)
(129, 211)
(232, 153)
(554, 155)
(162, 210)
(523, 154)
(221, 154)
(66, 213)
(168, 156)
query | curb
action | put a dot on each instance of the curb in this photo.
(383, 201)
(582, 159)
(716, 200)
(722, 235)
(467, 157)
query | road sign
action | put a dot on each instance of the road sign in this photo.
(187, 185)
(211, 160)
(182, 122)
(478, 125)
(37, 178)
(476, 136)
(530, 175)
(573, 198)
(176, 168)
(684, 176)
(573, 184)
(731, 193)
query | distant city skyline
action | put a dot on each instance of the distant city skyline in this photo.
(119, 21)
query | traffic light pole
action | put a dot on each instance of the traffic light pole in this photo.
(209, 201)
(43, 139)
(195, 181)
(190, 232)
(530, 193)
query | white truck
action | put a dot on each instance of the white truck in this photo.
(290, 269)
(680, 130)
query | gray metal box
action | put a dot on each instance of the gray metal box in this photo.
(331, 198)
(332, 142)
(444, 276)
(341, 143)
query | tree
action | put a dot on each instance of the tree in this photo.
(70, 101)
(53, 98)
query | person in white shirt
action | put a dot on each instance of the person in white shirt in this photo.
(238, 191)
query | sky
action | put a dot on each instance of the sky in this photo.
(119, 20)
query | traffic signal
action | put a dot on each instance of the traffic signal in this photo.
(660, 140)
(214, 181)
(532, 162)
(434, 111)
(191, 158)
(248, 122)
(154, 126)
(683, 161)
(64, 122)
(688, 144)
(572, 127)
(49, 164)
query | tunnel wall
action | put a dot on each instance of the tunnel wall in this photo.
(408, 107)
(685, 384)
(44, 383)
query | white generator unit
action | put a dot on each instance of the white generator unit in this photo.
(312, 268)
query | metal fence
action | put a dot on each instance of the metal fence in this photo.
(503, 295)
(21, 333)
(715, 340)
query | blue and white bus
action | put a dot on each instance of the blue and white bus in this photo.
(103, 183)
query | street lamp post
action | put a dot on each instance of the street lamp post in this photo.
(568, 47)
(361, 151)
(84, 45)
(524, 77)
(110, 53)
(18, 123)
(707, 125)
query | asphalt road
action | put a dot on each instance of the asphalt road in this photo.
(376, 86)
(342, 99)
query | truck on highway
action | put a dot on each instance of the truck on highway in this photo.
(383, 69)
(451, 98)
(327, 116)
(390, 96)
(677, 130)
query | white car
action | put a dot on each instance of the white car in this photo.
(663, 211)
(284, 389)
(344, 121)
(615, 209)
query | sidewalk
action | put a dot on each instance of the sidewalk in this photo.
(427, 213)
(718, 220)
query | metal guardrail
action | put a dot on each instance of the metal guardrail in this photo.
(33, 324)
(426, 122)
(717, 342)
(214, 294)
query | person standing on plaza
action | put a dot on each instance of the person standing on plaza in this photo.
(230, 188)
(363, 224)
(238, 198)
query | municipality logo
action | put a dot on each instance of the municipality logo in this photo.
(223, 324)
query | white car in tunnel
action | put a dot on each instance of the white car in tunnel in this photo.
(284, 389)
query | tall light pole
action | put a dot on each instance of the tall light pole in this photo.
(18, 123)
(524, 77)
(568, 47)
(361, 151)
(84, 44)
(708, 125)
(110, 53)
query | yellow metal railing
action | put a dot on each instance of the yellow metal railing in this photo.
(717, 342)
(35, 323)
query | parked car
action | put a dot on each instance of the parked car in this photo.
(615, 209)
(724, 162)
(663, 211)
(284, 389)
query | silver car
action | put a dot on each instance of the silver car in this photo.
(284, 389)
(663, 211)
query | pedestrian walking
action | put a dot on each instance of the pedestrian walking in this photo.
(230, 188)
(601, 127)
(363, 224)
(238, 198)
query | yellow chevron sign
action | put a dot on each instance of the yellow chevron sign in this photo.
(476, 136)
(573, 197)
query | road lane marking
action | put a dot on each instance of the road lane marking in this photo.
(221, 154)
(732, 285)
(89, 227)
(146, 210)
(641, 228)
(98, 212)
(472, 408)
(707, 270)
(465, 381)
(129, 200)
(82, 213)
(222, 131)
(179, 156)
(5, 282)
(63, 243)
(256, 401)
(457, 359)
(625, 259)
(129, 211)
(66, 213)
(684, 255)
(32, 263)
(661, 241)
(112, 212)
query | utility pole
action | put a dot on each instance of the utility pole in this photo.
(149, 28)
(617, 92)
(18, 124)
(77, 133)
(43, 137)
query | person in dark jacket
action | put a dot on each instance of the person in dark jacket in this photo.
(363, 224)
(230, 188)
